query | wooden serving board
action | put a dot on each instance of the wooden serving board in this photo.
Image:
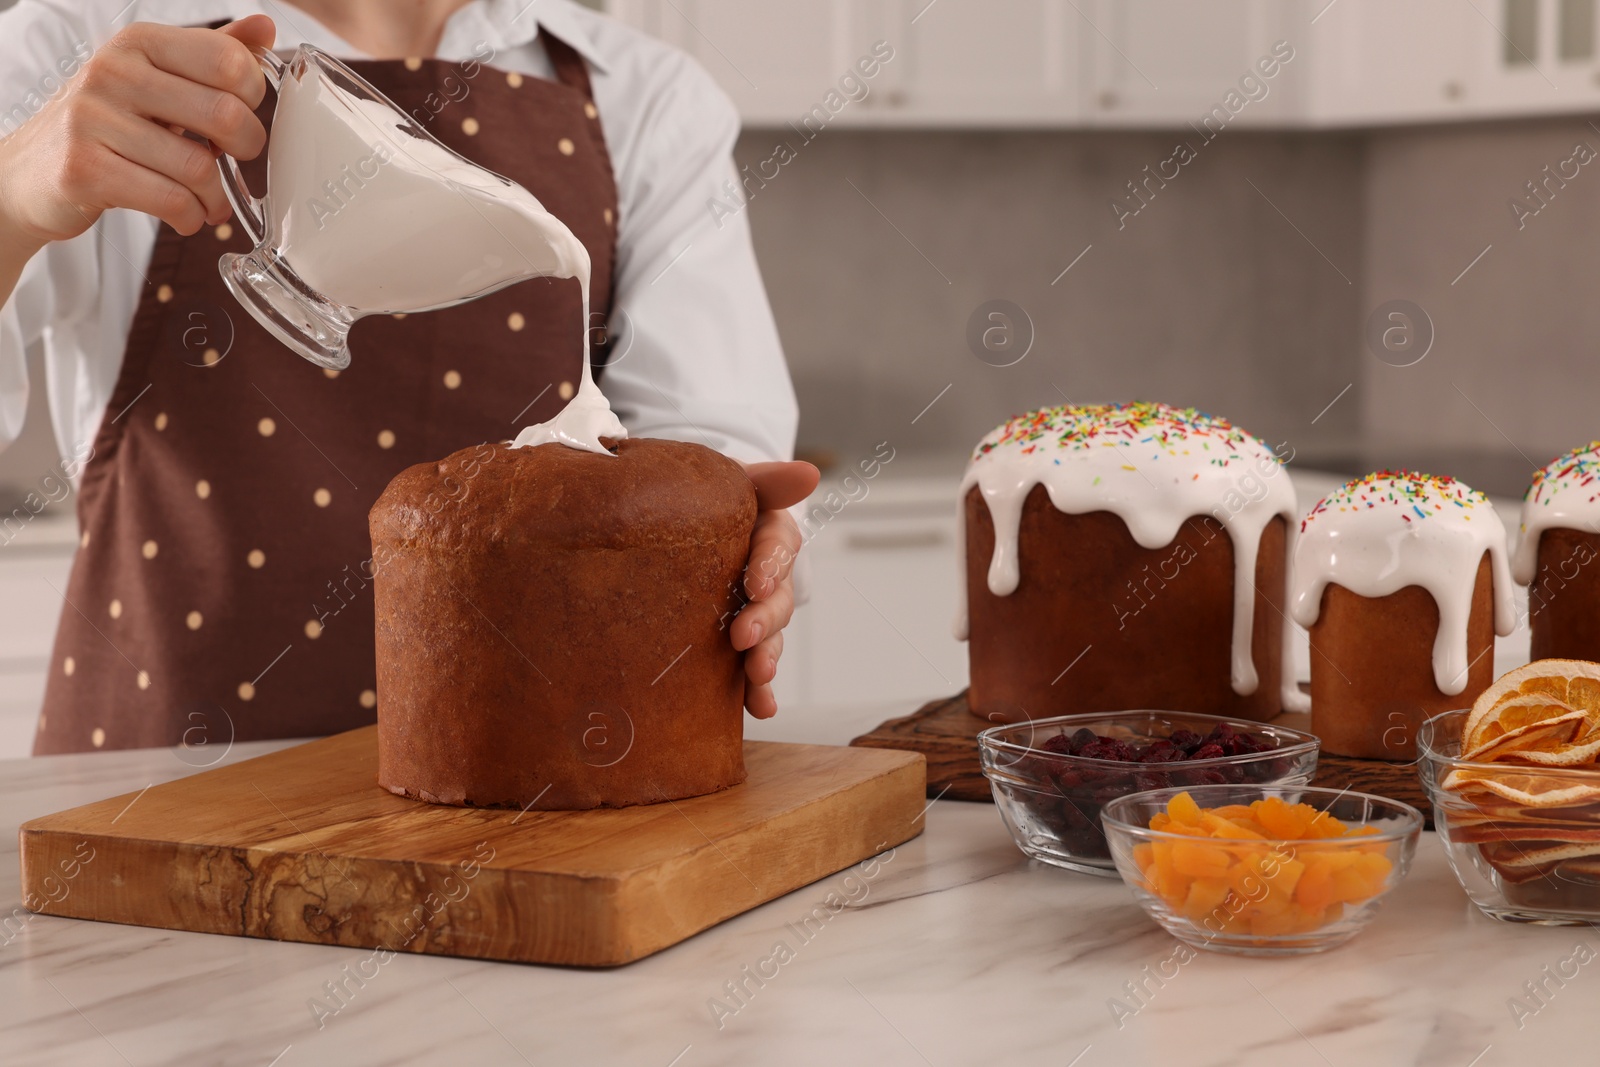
(946, 733)
(303, 845)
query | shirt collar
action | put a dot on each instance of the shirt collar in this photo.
(512, 23)
(501, 23)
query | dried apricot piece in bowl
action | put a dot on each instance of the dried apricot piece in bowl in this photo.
(1269, 868)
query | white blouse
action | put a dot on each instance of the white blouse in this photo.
(696, 352)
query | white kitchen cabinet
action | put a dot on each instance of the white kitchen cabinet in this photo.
(976, 62)
(1171, 62)
(1431, 60)
(953, 62)
(1543, 59)
(780, 59)
(21, 695)
(1139, 63)
(1396, 62)
(883, 580)
(33, 574)
(884, 598)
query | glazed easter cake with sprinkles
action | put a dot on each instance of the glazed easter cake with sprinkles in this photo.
(1403, 581)
(1558, 556)
(1125, 556)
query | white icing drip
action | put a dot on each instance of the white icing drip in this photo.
(588, 416)
(1557, 501)
(1154, 488)
(1293, 698)
(1374, 541)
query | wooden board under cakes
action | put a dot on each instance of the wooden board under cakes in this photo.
(945, 732)
(303, 845)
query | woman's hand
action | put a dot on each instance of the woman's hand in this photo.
(769, 577)
(113, 137)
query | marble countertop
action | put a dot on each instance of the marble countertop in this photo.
(958, 951)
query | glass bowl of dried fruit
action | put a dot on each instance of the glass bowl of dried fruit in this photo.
(1261, 870)
(1051, 777)
(1515, 787)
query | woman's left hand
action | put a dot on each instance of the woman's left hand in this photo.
(769, 577)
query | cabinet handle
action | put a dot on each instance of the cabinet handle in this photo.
(899, 539)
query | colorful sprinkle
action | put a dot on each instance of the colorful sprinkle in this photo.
(1576, 469)
(1078, 427)
(1399, 489)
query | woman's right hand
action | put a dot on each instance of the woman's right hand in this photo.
(112, 137)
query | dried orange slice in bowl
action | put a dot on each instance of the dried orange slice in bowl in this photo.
(1580, 756)
(1515, 786)
(1526, 724)
(1513, 700)
(1527, 786)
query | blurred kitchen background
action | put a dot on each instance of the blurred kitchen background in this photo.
(1362, 229)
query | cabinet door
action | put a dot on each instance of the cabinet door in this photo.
(1426, 60)
(29, 580)
(955, 62)
(21, 695)
(1538, 56)
(1170, 62)
(1399, 62)
(976, 62)
(883, 600)
(777, 59)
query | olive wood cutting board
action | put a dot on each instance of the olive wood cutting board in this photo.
(947, 734)
(303, 845)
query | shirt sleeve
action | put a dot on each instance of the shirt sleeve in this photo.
(695, 351)
(22, 322)
(40, 49)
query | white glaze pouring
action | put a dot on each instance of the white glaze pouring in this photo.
(588, 417)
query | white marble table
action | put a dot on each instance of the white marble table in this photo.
(959, 951)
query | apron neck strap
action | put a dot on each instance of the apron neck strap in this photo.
(569, 66)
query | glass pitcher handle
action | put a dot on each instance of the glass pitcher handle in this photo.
(248, 208)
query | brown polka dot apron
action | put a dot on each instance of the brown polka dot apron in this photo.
(223, 587)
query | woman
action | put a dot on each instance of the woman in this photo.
(222, 584)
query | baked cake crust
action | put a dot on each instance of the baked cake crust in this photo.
(552, 625)
(1372, 677)
(1165, 641)
(1564, 597)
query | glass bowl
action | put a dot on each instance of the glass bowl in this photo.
(1519, 860)
(1286, 896)
(1051, 801)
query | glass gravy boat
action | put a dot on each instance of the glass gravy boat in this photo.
(366, 213)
